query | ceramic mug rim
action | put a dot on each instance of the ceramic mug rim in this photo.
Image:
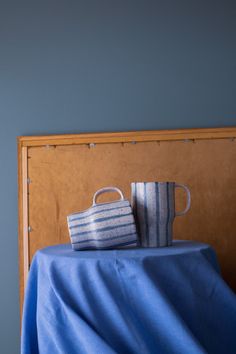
(154, 182)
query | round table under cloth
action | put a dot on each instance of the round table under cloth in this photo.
(141, 301)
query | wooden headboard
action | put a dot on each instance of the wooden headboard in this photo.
(58, 175)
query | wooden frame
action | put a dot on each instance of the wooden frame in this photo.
(26, 142)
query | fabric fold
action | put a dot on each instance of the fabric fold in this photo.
(132, 301)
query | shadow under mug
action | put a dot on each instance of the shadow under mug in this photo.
(153, 205)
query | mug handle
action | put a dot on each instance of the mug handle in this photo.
(107, 189)
(179, 213)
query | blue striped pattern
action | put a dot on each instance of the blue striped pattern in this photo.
(126, 244)
(98, 220)
(103, 226)
(103, 239)
(107, 228)
(97, 210)
(154, 210)
(134, 208)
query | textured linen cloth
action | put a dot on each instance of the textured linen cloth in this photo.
(148, 301)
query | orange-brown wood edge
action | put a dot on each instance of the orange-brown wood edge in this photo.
(24, 142)
(116, 137)
(23, 219)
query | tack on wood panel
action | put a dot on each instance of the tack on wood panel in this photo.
(64, 179)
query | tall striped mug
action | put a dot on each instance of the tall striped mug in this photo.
(153, 205)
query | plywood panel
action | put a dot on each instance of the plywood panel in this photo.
(64, 178)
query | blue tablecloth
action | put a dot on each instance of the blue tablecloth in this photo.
(139, 301)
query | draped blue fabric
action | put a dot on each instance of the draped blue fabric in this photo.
(148, 301)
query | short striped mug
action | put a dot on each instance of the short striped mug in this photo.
(103, 225)
(153, 205)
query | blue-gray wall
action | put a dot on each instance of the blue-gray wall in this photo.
(89, 65)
